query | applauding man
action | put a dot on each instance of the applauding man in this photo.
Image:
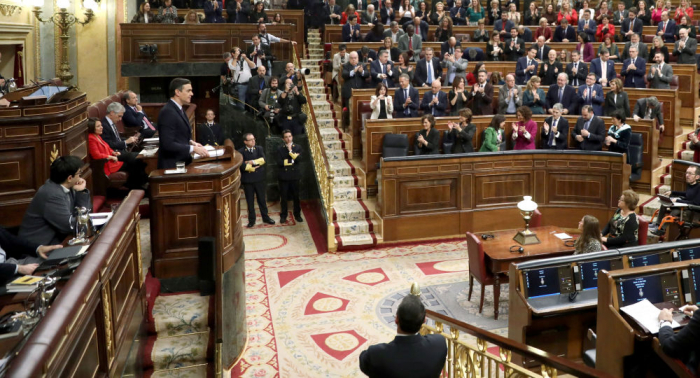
(287, 162)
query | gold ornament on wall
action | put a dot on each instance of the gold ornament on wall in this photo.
(54, 154)
(9, 9)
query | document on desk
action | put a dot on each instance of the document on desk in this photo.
(98, 219)
(563, 236)
(212, 153)
(647, 315)
(151, 140)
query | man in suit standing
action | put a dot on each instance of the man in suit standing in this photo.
(351, 30)
(255, 87)
(577, 71)
(456, 66)
(561, 93)
(334, 13)
(339, 60)
(481, 96)
(434, 101)
(510, 96)
(564, 32)
(667, 28)
(642, 50)
(503, 26)
(589, 131)
(631, 25)
(386, 14)
(660, 74)
(287, 163)
(685, 48)
(237, 11)
(603, 68)
(620, 14)
(406, 99)
(135, 117)
(542, 49)
(354, 75)
(592, 94)
(210, 133)
(115, 111)
(515, 48)
(526, 67)
(419, 26)
(253, 179)
(649, 108)
(47, 220)
(21, 256)
(448, 47)
(381, 70)
(394, 31)
(411, 42)
(555, 130)
(633, 70)
(427, 69)
(458, 14)
(587, 25)
(174, 130)
(409, 354)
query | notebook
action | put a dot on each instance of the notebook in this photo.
(67, 253)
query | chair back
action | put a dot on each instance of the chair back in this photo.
(642, 230)
(477, 260)
(395, 145)
(635, 155)
(675, 364)
(536, 220)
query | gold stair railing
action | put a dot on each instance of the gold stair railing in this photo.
(475, 361)
(324, 175)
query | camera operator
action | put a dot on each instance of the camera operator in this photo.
(291, 73)
(290, 116)
(269, 101)
(260, 54)
(236, 73)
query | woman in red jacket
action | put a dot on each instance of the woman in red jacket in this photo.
(99, 149)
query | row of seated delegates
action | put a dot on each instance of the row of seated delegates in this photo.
(691, 196)
(239, 11)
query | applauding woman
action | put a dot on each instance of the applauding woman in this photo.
(428, 139)
(494, 50)
(619, 134)
(461, 134)
(144, 16)
(167, 14)
(617, 99)
(525, 130)
(590, 240)
(458, 97)
(621, 230)
(534, 97)
(494, 136)
(381, 103)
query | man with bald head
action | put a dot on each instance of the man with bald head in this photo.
(685, 48)
(369, 17)
(667, 28)
(542, 49)
(448, 47)
(633, 70)
(354, 75)
(564, 94)
(510, 96)
(434, 101)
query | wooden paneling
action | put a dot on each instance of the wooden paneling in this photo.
(418, 199)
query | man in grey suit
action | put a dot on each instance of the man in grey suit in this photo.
(456, 66)
(510, 96)
(47, 220)
(660, 74)
(411, 41)
(685, 48)
(620, 14)
(394, 31)
(649, 108)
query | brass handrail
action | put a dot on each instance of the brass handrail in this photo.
(318, 153)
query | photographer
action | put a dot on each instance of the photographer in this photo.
(255, 88)
(236, 74)
(269, 101)
(293, 74)
(260, 54)
(268, 39)
(290, 116)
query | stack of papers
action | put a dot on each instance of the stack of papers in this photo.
(25, 284)
(212, 152)
(151, 140)
(647, 315)
(148, 152)
(98, 219)
(563, 236)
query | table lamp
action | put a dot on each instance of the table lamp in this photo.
(527, 207)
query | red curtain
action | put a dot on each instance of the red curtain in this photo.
(19, 68)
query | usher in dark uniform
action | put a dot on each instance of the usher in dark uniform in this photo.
(289, 180)
(254, 184)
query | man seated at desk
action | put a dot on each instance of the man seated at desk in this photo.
(47, 220)
(20, 256)
(135, 117)
(690, 196)
(684, 344)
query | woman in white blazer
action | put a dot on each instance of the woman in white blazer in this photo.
(381, 103)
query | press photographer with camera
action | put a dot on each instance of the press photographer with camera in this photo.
(269, 101)
(294, 74)
(290, 116)
(235, 74)
(267, 39)
(260, 54)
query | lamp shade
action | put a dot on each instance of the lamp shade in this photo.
(527, 204)
(90, 4)
(63, 4)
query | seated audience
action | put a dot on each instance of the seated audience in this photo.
(481, 34)
(617, 99)
(589, 241)
(524, 130)
(589, 131)
(406, 100)
(144, 16)
(291, 101)
(20, 256)
(649, 108)
(375, 34)
(584, 47)
(604, 28)
(621, 230)
(461, 134)
(564, 32)
(534, 97)
(210, 133)
(550, 69)
(633, 70)
(510, 96)
(427, 69)
(381, 103)
(691, 196)
(191, 18)
(564, 94)
(257, 14)
(47, 220)
(135, 117)
(434, 101)
(494, 135)
(115, 112)
(619, 135)
(411, 355)
(592, 94)
(481, 96)
(428, 139)
(99, 149)
(555, 130)
(658, 47)
(526, 67)
(213, 12)
(167, 14)
(456, 66)
(577, 71)
(388, 46)
(660, 74)
(269, 101)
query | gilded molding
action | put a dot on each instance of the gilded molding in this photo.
(10, 9)
(138, 250)
(227, 220)
(54, 154)
(107, 309)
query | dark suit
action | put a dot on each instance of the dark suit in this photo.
(595, 101)
(406, 356)
(349, 33)
(595, 68)
(636, 27)
(560, 34)
(594, 141)
(445, 48)
(513, 52)
(634, 78)
(132, 118)
(333, 10)
(357, 81)
(256, 84)
(110, 134)
(211, 15)
(498, 27)
(686, 55)
(581, 73)
(14, 247)
(569, 98)
(376, 69)
(433, 146)
(210, 135)
(640, 110)
(288, 179)
(400, 100)
(482, 103)
(542, 53)
(254, 183)
(437, 110)
(421, 75)
(622, 103)
(684, 344)
(384, 15)
(669, 35)
(46, 221)
(549, 76)
(560, 139)
(175, 134)
(521, 75)
(592, 27)
(237, 17)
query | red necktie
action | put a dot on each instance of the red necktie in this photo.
(410, 42)
(504, 25)
(664, 27)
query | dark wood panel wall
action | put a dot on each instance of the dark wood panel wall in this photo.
(91, 326)
(31, 138)
(447, 196)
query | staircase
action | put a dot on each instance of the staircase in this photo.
(354, 227)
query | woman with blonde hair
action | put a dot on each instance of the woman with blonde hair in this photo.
(543, 31)
(494, 50)
(534, 97)
(513, 14)
(685, 9)
(589, 240)
(191, 17)
(495, 12)
(439, 14)
(658, 10)
(657, 46)
(568, 13)
(348, 11)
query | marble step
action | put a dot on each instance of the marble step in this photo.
(329, 133)
(317, 96)
(309, 63)
(666, 179)
(316, 55)
(361, 240)
(321, 105)
(686, 155)
(315, 83)
(662, 189)
(648, 208)
(317, 89)
(358, 227)
(341, 168)
(337, 155)
(345, 211)
(346, 194)
(326, 123)
(314, 41)
(344, 181)
(323, 114)
(333, 144)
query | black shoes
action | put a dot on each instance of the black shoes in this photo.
(283, 220)
(268, 221)
(251, 224)
(298, 218)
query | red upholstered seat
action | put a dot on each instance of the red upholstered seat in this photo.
(674, 82)
(118, 176)
(93, 111)
(648, 38)
(478, 270)
(97, 202)
(115, 98)
(643, 230)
